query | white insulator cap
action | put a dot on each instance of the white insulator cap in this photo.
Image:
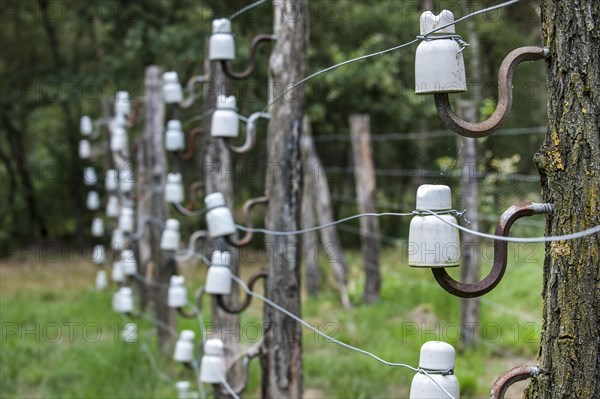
(123, 300)
(170, 236)
(218, 279)
(218, 218)
(184, 348)
(174, 137)
(118, 139)
(221, 46)
(434, 197)
(128, 262)
(183, 388)
(112, 207)
(172, 90)
(126, 222)
(431, 241)
(93, 201)
(436, 358)
(85, 149)
(122, 104)
(177, 296)
(90, 177)
(101, 280)
(213, 362)
(111, 180)
(85, 125)
(174, 188)
(117, 274)
(126, 181)
(439, 63)
(117, 239)
(225, 120)
(97, 227)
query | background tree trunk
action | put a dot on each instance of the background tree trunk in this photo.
(316, 192)
(569, 165)
(282, 355)
(471, 251)
(364, 174)
(155, 165)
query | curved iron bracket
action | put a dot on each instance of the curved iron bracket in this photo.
(248, 236)
(246, 302)
(490, 281)
(505, 76)
(192, 314)
(250, 134)
(251, 63)
(510, 377)
(186, 156)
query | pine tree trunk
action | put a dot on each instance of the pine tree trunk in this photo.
(282, 356)
(569, 163)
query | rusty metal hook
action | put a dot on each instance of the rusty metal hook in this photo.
(191, 144)
(248, 205)
(246, 302)
(250, 134)
(484, 286)
(505, 76)
(192, 314)
(251, 63)
(510, 377)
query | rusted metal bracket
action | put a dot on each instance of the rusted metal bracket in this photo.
(505, 76)
(251, 63)
(250, 134)
(192, 314)
(247, 300)
(484, 286)
(510, 377)
(186, 156)
(247, 208)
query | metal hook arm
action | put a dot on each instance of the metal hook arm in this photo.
(484, 286)
(510, 377)
(246, 302)
(250, 134)
(251, 63)
(505, 76)
(247, 208)
(186, 156)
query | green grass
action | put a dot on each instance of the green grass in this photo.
(37, 300)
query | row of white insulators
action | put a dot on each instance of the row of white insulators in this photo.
(433, 241)
(213, 367)
(225, 123)
(219, 220)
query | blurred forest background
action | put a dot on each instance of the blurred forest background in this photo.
(59, 60)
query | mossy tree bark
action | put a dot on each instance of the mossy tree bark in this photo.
(281, 359)
(569, 163)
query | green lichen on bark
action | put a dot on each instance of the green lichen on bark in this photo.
(569, 163)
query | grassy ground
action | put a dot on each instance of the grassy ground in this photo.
(60, 338)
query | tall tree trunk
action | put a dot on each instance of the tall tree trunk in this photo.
(217, 165)
(471, 251)
(568, 162)
(364, 173)
(282, 355)
(316, 191)
(155, 168)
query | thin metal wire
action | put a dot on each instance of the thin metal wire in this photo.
(226, 384)
(191, 250)
(200, 386)
(184, 211)
(572, 236)
(418, 39)
(244, 9)
(302, 231)
(198, 117)
(329, 338)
